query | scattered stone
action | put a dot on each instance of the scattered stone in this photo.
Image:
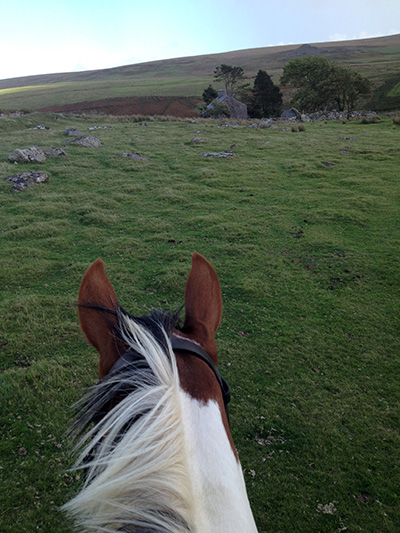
(27, 155)
(345, 152)
(328, 508)
(72, 132)
(24, 180)
(101, 128)
(230, 125)
(142, 124)
(40, 127)
(266, 143)
(326, 164)
(89, 142)
(135, 156)
(293, 115)
(197, 140)
(54, 152)
(265, 124)
(349, 138)
(219, 154)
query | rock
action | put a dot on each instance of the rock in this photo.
(197, 140)
(135, 156)
(219, 154)
(40, 127)
(54, 152)
(297, 113)
(265, 124)
(101, 128)
(230, 125)
(72, 132)
(26, 155)
(22, 181)
(89, 141)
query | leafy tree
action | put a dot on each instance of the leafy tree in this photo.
(347, 87)
(310, 75)
(266, 100)
(209, 94)
(323, 84)
(230, 76)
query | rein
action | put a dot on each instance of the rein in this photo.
(186, 345)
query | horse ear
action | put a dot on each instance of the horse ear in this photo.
(96, 296)
(203, 303)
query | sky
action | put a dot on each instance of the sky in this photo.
(51, 36)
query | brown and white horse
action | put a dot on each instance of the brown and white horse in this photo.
(157, 451)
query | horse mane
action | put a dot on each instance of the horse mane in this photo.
(135, 455)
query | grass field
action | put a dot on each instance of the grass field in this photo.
(303, 230)
(41, 96)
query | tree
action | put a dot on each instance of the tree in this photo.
(209, 94)
(347, 87)
(309, 74)
(230, 76)
(323, 84)
(266, 100)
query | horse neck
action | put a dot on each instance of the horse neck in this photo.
(215, 472)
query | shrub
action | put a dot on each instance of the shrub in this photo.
(219, 111)
(370, 120)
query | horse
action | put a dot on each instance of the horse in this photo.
(154, 437)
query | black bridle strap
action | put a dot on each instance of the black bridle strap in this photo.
(187, 345)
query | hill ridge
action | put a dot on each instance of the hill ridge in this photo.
(377, 58)
(23, 81)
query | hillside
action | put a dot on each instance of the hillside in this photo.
(378, 59)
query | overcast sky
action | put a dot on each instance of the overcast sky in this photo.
(48, 36)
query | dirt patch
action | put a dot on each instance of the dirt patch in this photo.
(180, 107)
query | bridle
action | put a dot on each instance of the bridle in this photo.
(187, 345)
(192, 348)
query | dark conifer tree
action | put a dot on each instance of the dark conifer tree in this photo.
(209, 94)
(266, 100)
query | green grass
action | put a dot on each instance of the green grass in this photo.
(307, 255)
(395, 91)
(42, 96)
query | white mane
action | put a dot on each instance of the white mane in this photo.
(137, 478)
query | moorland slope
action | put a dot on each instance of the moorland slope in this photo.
(378, 59)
